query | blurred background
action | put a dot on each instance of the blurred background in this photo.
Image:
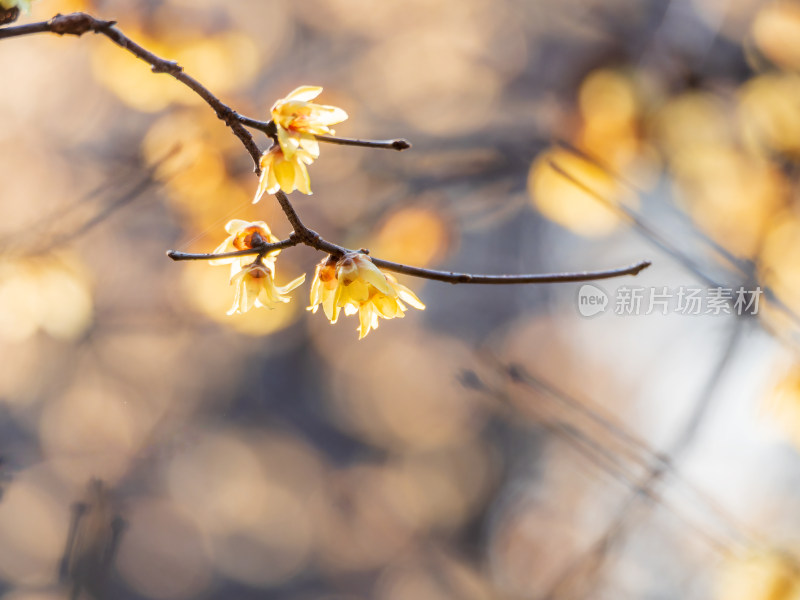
(496, 445)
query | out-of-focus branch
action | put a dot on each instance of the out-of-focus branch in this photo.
(79, 23)
(589, 565)
(628, 215)
(621, 455)
(743, 267)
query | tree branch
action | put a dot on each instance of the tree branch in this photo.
(80, 23)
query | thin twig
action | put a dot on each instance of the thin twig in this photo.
(399, 144)
(17, 30)
(450, 277)
(270, 130)
(262, 250)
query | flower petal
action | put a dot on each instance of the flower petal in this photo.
(236, 265)
(330, 309)
(339, 297)
(236, 225)
(236, 299)
(226, 246)
(373, 275)
(301, 179)
(408, 296)
(330, 115)
(316, 295)
(251, 287)
(285, 175)
(267, 182)
(368, 319)
(288, 143)
(292, 284)
(272, 181)
(304, 93)
(389, 308)
(310, 144)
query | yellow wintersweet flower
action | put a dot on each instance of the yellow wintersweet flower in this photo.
(244, 235)
(298, 120)
(255, 286)
(280, 172)
(380, 305)
(355, 284)
(323, 289)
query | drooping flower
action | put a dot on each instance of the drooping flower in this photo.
(298, 120)
(244, 235)
(280, 172)
(323, 289)
(255, 286)
(355, 284)
(381, 305)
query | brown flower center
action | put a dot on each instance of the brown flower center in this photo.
(250, 237)
(327, 274)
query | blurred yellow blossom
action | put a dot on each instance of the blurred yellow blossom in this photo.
(280, 172)
(298, 120)
(23, 5)
(762, 576)
(774, 32)
(255, 286)
(244, 235)
(358, 286)
(48, 293)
